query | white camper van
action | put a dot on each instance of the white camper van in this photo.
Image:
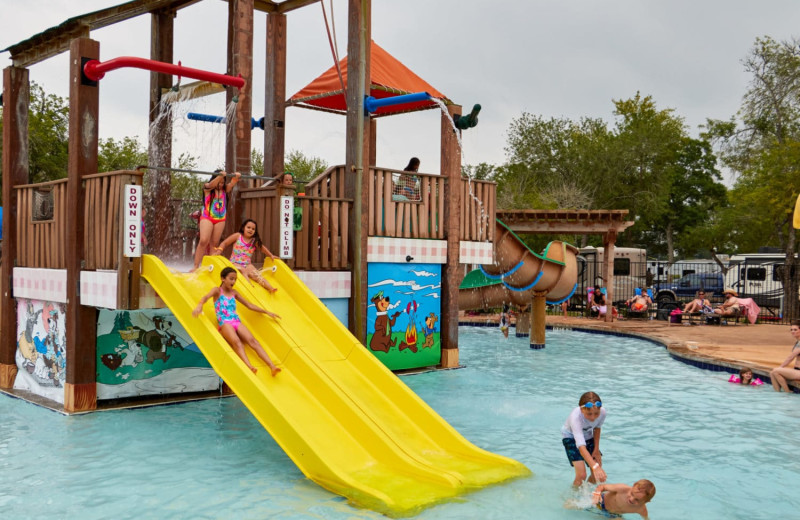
(629, 270)
(758, 276)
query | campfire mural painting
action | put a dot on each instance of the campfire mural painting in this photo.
(402, 299)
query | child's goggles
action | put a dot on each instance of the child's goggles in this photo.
(596, 404)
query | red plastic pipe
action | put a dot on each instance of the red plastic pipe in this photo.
(95, 70)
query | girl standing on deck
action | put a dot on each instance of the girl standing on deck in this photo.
(245, 243)
(212, 217)
(581, 438)
(230, 325)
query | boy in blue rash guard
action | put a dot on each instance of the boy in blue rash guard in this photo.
(581, 438)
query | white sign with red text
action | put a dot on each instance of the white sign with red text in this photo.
(287, 228)
(132, 224)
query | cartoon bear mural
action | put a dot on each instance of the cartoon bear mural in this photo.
(399, 293)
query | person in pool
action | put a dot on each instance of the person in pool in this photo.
(505, 321)
(784, 372)
(745, 377)
(581, 438)
(618, 499)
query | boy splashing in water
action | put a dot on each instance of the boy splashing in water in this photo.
(619, 499)
(230, 326)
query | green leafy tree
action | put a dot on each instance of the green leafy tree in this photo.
(124, 154)
(695, 194)
(761, 146)
(479, 172)
(48, 124)
(303, 167)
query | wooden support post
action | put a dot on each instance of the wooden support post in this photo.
(357, 157)
(608, 272)
(538, 319)
(80, 392)
(238, 138)
(275, 98)
(160, 138)
(451, 274)
(16, 96)
(523, 324)
(373, 141)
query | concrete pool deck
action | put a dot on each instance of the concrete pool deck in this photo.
(762, 347)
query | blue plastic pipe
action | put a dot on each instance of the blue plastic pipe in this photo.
(206, 118)
(371, 104)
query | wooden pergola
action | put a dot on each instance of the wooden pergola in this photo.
(608, 223)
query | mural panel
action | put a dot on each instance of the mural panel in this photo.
(403, 314)
(41, 350)
(148, 352)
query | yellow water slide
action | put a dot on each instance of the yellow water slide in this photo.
(347, 421)
(518, 272)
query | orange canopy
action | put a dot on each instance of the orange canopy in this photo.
(388, 77)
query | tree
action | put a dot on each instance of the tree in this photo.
(761, 145)
(695, 193)
(125, 154)
(304, 168)
(48, 124)
(479, 172)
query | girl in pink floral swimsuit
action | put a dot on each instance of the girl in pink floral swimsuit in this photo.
(230, 326)
(245, 243)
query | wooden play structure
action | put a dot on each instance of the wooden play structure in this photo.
(350, 215)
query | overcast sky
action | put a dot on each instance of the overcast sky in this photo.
(555, 58)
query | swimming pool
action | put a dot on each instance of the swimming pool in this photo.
(713, 449)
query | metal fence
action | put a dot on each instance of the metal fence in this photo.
(672, 285)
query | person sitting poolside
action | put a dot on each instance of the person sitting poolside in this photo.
(640, 302)
(699, 304)
(784, 373)
(731, 305)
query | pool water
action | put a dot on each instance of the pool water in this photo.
(713, 449)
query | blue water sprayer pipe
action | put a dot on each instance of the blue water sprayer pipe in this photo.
(371, 104)
(207, 118)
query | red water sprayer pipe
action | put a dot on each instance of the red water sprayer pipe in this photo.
(95, 70)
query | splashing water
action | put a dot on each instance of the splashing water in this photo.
(483, 218)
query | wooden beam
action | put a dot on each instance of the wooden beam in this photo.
(452, 274)
(291, 5)
(357, 157)
(239, 134)
(81, 321)
(56, 40)
(275, 95)
(555, 228)
(16, 88)
(160, 136)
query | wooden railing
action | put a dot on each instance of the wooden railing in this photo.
(102, 223)
(42, 221)
(389, 217)
(42, 225)
(478, 210)
(321, 241)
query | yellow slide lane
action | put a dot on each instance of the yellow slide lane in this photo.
(347, 421)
